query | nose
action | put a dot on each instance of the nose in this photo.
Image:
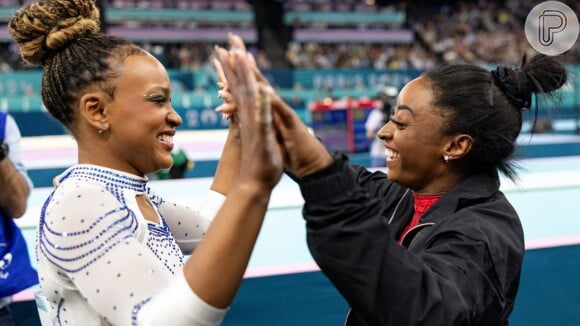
(386, 131)
(174, 118)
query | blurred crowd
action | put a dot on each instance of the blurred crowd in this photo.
(480, 32)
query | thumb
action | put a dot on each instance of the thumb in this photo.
(286, 114)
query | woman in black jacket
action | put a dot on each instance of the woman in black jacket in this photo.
(433, 241)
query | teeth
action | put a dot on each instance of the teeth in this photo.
(391, 154)
(166, 138)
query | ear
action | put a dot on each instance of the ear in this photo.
(458, 146)
(93, 108)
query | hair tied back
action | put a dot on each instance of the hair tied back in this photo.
(516, 88)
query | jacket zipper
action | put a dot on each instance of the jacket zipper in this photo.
(415, 228)
(397, 207)
(389, 222)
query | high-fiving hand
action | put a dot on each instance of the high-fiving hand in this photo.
(261, 156)
(303, 153)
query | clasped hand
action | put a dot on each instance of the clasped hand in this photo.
(265, 120)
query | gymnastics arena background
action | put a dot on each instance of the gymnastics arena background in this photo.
(328, 59)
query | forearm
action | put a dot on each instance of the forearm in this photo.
(229, 163)
(13, 190)
(216, 268)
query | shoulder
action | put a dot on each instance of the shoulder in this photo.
(493, 222)
(12, 132)
(75, 201)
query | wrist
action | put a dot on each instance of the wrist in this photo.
(318, 164)
(234, 135)
(338, 160)
(253, 188)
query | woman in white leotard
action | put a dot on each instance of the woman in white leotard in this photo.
(110, 250)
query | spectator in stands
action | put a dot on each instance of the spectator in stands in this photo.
(377, 118)
(16, 272)
(433, 241)
(110, 249)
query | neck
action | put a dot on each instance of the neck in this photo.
(428, 194)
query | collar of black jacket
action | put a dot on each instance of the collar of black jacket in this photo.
(473, 189)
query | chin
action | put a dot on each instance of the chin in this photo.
(164, 166)
(164, 162)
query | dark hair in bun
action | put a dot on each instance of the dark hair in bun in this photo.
(43, 28)
(540, 75)
(63, 37)
(488, 106)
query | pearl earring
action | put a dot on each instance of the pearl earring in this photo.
(446, 158)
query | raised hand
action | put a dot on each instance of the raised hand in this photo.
(228, 108)
(303, 153)
(261, 157)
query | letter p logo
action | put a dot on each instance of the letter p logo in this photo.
(552, 28)
(551, 22)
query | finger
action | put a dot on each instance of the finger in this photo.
(278, 124)
(224, 87)
(236, 42)
(287, 115)
(226, 64)
(246, 92)
(263, 114)
(226, 96)
(281, 134)
(220, 73)
(226, 108)
(257, 98)
(257, 71)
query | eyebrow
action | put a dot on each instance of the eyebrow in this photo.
(150, 92)
(404, 107)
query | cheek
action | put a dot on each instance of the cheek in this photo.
(419, 149)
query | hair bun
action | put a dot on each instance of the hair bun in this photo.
(515, 85)
(541, 74)
(46, 27)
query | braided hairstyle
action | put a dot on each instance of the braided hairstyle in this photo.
(63, 37)
(488, 105)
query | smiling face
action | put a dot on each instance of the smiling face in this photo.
(415, 142)
(141, 118)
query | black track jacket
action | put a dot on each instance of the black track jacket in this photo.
(460, 266)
